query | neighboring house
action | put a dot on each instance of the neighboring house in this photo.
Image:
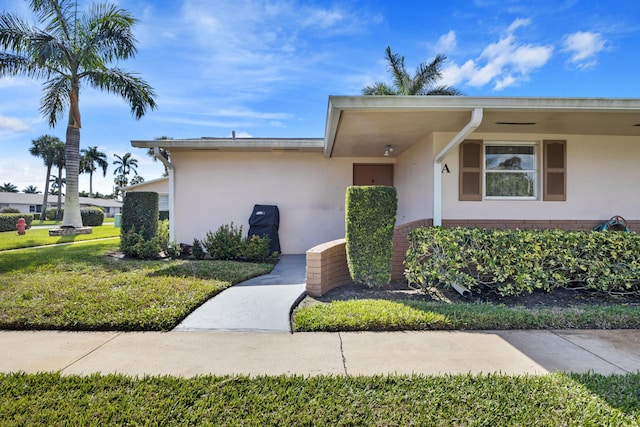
(159, 185)
(32, 203)
(472, 161)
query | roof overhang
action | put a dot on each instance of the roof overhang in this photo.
(361, 126)
(234, 144)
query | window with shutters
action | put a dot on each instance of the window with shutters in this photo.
(511, 170)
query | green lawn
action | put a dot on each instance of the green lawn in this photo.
(384, 315)
(478, 400)
(82, 287)
(40, 237)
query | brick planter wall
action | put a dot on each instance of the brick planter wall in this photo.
(401, 244)
(327, 267)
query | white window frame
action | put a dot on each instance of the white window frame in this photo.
(536, 171)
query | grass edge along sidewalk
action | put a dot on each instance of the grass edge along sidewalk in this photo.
(485, 399)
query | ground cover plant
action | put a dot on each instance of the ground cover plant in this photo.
(516, 262)
(88, 286)
(40, 237)
(488, 400)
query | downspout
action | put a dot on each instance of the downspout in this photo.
(476, 119)
(172, 216)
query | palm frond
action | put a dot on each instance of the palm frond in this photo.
(55, 98)
(138, 93)
(398, 72)
(108, 34)
(378, 89)
(443, 90)
(60, 14)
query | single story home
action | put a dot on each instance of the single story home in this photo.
(158, 185)
(32, 203)
(454, 160)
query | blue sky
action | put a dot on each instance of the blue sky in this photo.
(265, 69)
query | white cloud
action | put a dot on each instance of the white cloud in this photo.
(446, 43)
(12, 124)
(583, 48)
(503, 63)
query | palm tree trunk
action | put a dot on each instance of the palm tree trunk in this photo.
(46, 195)
(72, 216)
(91, 183)
(59, 211)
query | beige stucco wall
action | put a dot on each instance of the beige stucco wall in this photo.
(413, 179)
(215, 188)
(602, 177)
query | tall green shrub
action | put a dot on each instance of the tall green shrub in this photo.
(370, 218)
(140, 214)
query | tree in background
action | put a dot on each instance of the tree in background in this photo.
(30, 189)
(423, 82)
(136, 180)
(91, 160)
(124, 166)
(8, 187)
(70, 51)
(163, 151)
(48, 148)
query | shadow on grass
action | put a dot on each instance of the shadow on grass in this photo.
(618, 391)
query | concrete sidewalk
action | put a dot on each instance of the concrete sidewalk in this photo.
(262, 304)
(350, 353)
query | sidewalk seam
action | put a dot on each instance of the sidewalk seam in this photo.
(344, 359)
(90, 352)
(590, 352)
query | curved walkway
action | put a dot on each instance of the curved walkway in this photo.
(261, 304)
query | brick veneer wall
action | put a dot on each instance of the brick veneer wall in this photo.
(327, 267)
(401, 244)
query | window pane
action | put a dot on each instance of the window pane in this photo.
(510, 184)
(510, 157)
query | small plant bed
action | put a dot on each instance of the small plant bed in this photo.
(490, 400)
(91, 287)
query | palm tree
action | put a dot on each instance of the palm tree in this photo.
(125, 165)
(8, 188)
(69, 52)
(48, 148)
(59, 160)
(30, 189)
(422, 82)
(90, 157)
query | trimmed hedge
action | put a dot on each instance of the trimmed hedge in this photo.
(516, 262)
(140, 214)
(92, 216)
(370, 218)
(8, 221)
(9, 210)
(50, 213)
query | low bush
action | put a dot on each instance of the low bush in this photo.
(516, 262)
(370, 218)
(227, 243)
(134, 245)
(92, 216)
(255, 248)
(197, 250)
(8, 221)
(50, 213)
(9, 210)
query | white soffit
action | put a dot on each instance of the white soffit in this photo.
(360, 126)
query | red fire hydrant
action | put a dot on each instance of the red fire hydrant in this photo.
(21, 226)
